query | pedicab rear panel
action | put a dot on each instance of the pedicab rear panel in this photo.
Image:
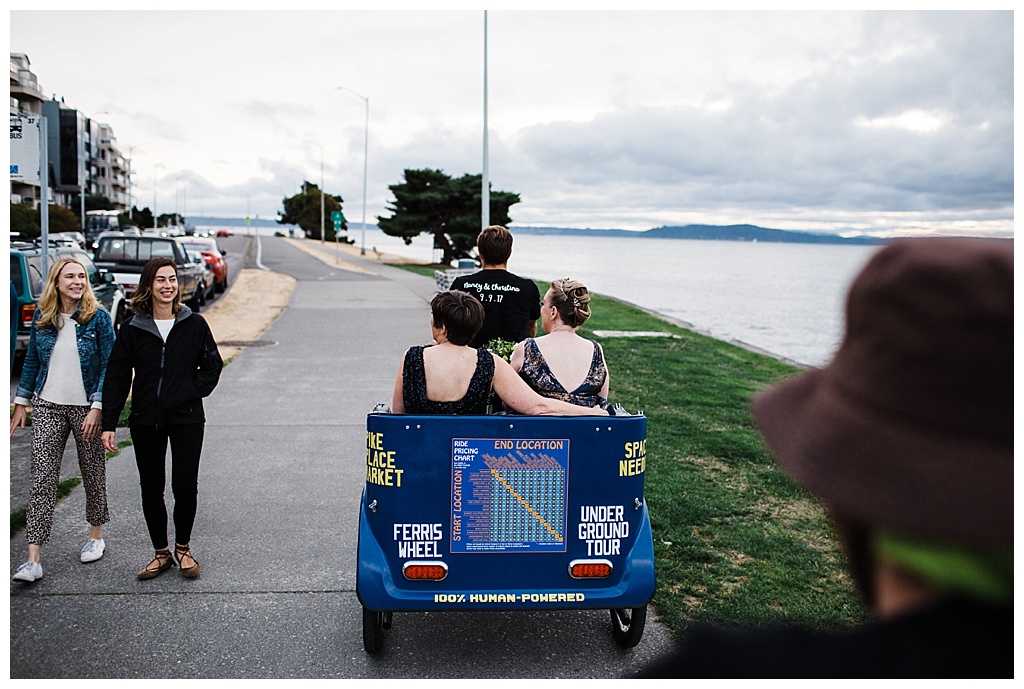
(504, 512)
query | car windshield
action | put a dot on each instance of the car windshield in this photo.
(35, 276)
(133, 249)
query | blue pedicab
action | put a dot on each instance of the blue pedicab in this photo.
(504, 513)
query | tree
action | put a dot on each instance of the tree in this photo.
(141, 219)
(25, 220)
(168, 219)
(449, 209)
(63, 220)
(303, 210)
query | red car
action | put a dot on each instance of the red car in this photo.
(223, 233)
(214, 256)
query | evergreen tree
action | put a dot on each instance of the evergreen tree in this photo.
(448, 208)
(303, 210)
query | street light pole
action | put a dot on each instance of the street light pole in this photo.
(485, 189)
(321, 195)
(366, 148)
(130, 149)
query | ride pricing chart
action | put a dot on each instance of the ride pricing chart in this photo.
(509, 495)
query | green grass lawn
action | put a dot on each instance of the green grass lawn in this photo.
(735, 541)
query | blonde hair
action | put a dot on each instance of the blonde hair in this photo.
(49, 303)
(572, 301)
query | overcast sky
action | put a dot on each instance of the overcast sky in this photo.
(870, 122)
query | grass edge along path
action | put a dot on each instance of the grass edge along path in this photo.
(735, 540)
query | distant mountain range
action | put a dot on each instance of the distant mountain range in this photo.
(733, 233)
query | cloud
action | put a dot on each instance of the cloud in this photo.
(806, 145)
(607, 119)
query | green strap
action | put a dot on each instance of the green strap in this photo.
(984, 574)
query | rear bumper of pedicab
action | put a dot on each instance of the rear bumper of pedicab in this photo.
(503, 507)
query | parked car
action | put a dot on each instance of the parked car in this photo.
(214, 256)
(27, 276)
(72, 239)
(125, 255)
(207, 288)
(223, 233)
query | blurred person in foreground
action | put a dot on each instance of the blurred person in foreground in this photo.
(561, 364)
(450, 377)
(511, 303)
(906, 436)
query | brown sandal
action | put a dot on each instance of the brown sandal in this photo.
(160, 563)
(183, 551)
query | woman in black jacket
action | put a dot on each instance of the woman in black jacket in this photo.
(175, 362)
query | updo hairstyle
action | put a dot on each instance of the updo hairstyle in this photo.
(572, 301)
(460, 312)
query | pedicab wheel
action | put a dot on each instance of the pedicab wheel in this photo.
(373, 630)
(628, 625)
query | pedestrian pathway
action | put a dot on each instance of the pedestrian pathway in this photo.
(276, 532)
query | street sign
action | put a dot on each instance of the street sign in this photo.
(25, 148)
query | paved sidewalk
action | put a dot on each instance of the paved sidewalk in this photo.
(276, 531)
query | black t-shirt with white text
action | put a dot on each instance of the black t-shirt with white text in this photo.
(510, 302)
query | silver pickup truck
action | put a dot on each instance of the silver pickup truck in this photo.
(125, 255)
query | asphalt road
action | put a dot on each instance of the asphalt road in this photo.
(282, 472)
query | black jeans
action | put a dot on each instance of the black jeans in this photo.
(150, 444)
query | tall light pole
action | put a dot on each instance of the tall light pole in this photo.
(485, 187)
(366, 147)
(130, 149)
(321, 195)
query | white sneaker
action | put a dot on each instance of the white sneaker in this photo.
(93, 550)
(30, 571)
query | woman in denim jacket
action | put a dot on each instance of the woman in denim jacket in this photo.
(62, 380)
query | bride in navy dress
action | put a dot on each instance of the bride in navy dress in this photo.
(561, 364)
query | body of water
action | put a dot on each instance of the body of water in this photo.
(786, 299)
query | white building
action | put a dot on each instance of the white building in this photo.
(26, 97)
(83, 154)
(110, 170)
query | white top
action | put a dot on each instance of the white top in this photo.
(164, 327)
(64, 383)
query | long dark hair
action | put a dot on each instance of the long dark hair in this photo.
(142, 299)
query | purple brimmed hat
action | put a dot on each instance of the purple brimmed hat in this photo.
(910, 426)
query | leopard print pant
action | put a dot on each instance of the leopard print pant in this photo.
(51, 425)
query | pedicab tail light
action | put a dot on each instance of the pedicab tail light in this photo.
(590, 569)
(423, 570)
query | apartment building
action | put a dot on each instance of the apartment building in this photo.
(111, 171)
(84, 158)
(27, 97)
